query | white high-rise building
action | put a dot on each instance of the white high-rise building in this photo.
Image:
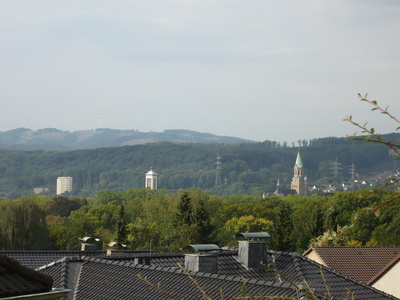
(64, 184)
(151, 180)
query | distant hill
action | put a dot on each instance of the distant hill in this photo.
(246, 169)
(53, 139)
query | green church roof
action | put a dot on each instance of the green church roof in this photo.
(299, 162)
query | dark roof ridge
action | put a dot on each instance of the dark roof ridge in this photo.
(296, 261)
(64, 261)
(64, 273)
(60, 260)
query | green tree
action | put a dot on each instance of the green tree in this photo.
(243, 224)
(282, 238)
(144, 234)
(202, 222)
(23, 226)
(184, 216)
(121, 231)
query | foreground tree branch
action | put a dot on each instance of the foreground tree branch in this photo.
(373, 137)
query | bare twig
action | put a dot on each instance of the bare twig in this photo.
(325, 283)
(377, 107)
(205, 297)
(377, 139)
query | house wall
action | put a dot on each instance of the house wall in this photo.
(314, 256)
(389, 281)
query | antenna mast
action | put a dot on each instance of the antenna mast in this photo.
(218, 171)
(352, 171)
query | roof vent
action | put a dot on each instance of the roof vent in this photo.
(144, 260)
(202, 247)
(115, 249)
(253, 235)
(88, 243)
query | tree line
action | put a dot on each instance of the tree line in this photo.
(168, 221)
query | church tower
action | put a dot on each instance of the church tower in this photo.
(299, 181)
(151, 180)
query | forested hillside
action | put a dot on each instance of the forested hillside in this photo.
(54, 139)
(247, 168)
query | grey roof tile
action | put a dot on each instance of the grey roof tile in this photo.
(110, 278)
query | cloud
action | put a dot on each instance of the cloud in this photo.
(239, 67)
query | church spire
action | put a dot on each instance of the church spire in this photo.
(299, 162)
(299, 181)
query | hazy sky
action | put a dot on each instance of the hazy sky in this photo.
(255, 69)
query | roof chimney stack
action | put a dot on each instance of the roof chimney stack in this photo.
(202, 262)
(253, 253)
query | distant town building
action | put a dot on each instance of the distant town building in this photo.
(64, 184)
(40, 190)
(299, 181)
(151, 180)
(278, 191)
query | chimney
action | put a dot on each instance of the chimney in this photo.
(253, 254)
(115, 249)
(88, 243)
(200, 262)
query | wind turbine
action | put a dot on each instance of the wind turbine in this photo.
(100, 119)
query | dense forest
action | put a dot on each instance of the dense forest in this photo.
(167, 222)
(246, 169)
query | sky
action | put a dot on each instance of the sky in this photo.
(253, 69)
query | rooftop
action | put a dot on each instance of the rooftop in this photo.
(360, 263)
